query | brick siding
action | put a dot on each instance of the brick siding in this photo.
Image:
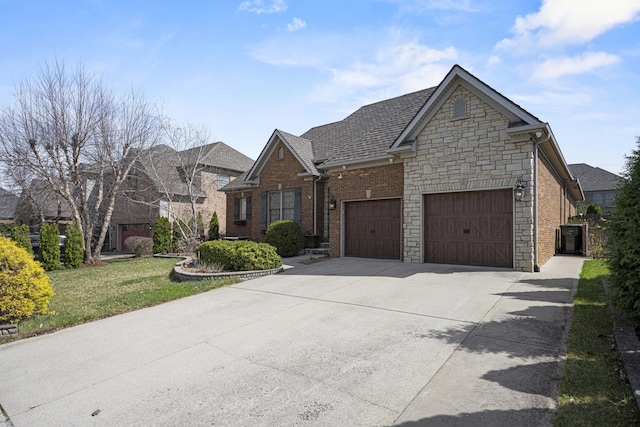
(383, 181)
(554, 208)
(277, 174)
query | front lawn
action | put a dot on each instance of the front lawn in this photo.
(89, 293)
(593, 391)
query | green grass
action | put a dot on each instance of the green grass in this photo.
(593, 391)
(90, 293)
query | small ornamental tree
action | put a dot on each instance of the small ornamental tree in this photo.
(50, 247)
(20, 235)
(214, 228)
(139, 245)
(594, 209)
(73, 247)
(200, 226)
(162, 235)
(623, 256)
(24, 287)
(178, 238)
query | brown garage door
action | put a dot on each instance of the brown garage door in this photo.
(471, 228)
(372, 229)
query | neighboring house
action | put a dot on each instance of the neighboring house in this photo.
(453, 174)
(8, 203)
(599, 186)
(158, 186)
(39, 204)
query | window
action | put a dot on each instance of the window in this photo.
(222, 180)
(281, 153)
(598, 198)
(277, 205)
(609, 197)
(459, 108)
(241, 208)
(281, 205)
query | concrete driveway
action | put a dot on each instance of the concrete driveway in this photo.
(340, 342)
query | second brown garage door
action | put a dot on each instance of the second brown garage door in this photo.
(372, 229)
(471, 228)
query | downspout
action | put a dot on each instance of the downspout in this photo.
(536, 268)
(315, 205)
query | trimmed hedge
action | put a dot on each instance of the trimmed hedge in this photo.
(24, 287)
(242, 255)
(286, 236)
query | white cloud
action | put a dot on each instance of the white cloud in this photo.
(557, 67)
(566, 22)
(296, 24)
(259, 6)
(395, 69)
(423, 6)
(493, 61)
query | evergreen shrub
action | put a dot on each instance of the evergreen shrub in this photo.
(20, 235)
(623, 255)
(214, 228)
(285, 236)
(162, 235)
(50, 247)
(24, 287)
(74, 247)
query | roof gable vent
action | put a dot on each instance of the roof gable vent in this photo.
(459, 108)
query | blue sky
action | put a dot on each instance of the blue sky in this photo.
(244, 68)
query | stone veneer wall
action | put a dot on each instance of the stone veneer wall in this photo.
(464, 154)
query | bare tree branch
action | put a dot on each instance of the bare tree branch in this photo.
(68, 130)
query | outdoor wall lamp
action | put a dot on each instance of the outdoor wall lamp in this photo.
(520, 190)
(332, 203)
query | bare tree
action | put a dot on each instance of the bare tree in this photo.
(70, 131)
(175, 170)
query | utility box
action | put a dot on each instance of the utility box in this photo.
(571, 238)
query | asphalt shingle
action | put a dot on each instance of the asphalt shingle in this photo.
(593, 178)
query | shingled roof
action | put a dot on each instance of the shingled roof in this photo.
(369, 131)
(163, 164)
(219, 155)
(593, 178)
(8, 203)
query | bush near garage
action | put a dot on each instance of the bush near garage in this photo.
(20, 235)
(24, 287)
(242, 255)
(50, 247)
(285, 236)
(139, 245)
(73, 247)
